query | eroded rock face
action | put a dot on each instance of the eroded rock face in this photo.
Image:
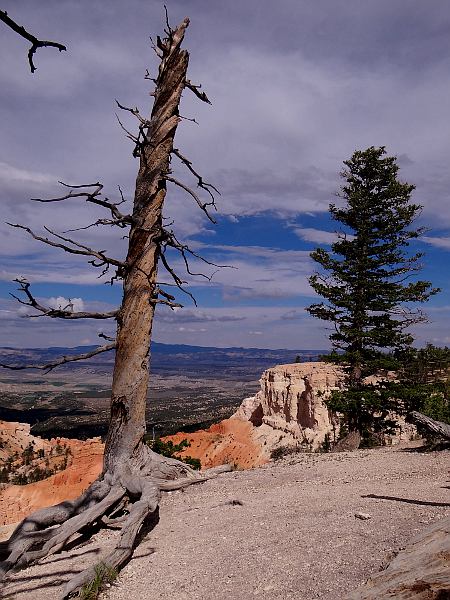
(291, 404)
(232, 441)
(289, 410)
(84, 465)
(15, 437)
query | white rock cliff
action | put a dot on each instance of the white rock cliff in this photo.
(289, 408)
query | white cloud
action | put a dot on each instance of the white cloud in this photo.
(438, 242)
(257, 271)
(70, 304)
(317, 236)
(9, 173)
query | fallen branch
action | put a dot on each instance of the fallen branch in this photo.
(435, 427)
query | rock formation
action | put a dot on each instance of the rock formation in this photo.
(231, 441)
(15, 437)
(17, 501)
(289, 409)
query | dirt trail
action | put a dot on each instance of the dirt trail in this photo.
(294, 535)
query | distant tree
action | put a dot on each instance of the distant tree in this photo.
(4, 475)
(423, 382)
(28, 454)
(172, 450)
(365, 281)
(430, 364)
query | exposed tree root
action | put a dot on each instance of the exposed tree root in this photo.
(128, 501)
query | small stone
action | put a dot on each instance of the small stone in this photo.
(363, 516)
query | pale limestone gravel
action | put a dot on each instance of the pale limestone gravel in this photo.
(294, 537)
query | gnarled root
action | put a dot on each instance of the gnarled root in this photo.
(129, 500)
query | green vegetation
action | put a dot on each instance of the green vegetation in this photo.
(15, 467)
(367, 286)
(104, 574)
(424, 382)
(171, 450)
(282, 451)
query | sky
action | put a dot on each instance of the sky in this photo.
(296, 87)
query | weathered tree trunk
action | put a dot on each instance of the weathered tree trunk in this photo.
(436, 428)
(130, 379)
(133, 477)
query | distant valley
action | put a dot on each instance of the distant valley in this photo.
(190, 387)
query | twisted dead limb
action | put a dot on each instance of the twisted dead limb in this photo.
(35, 42)
(63, 360)
(128, 491)
(66, 312)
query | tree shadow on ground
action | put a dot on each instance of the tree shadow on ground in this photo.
(407, 500)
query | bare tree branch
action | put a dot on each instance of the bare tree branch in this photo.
(135, 112)
(35, 42)
(93, 197)
(106, 337)
(178, 281)
(167, 299)
(196, 90)
(79, 249)
(202, 205)
(61, 361)
(56, 313)
(98, 222)
(200, 181)
(141, 139)
(168, 238)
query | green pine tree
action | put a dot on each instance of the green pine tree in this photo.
(367, 284)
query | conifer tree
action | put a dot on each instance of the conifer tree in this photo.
(367, 280)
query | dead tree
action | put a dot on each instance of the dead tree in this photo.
(127, 492)
(34, 41)
(431, 426)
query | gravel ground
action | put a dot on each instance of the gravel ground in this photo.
(294, 535)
